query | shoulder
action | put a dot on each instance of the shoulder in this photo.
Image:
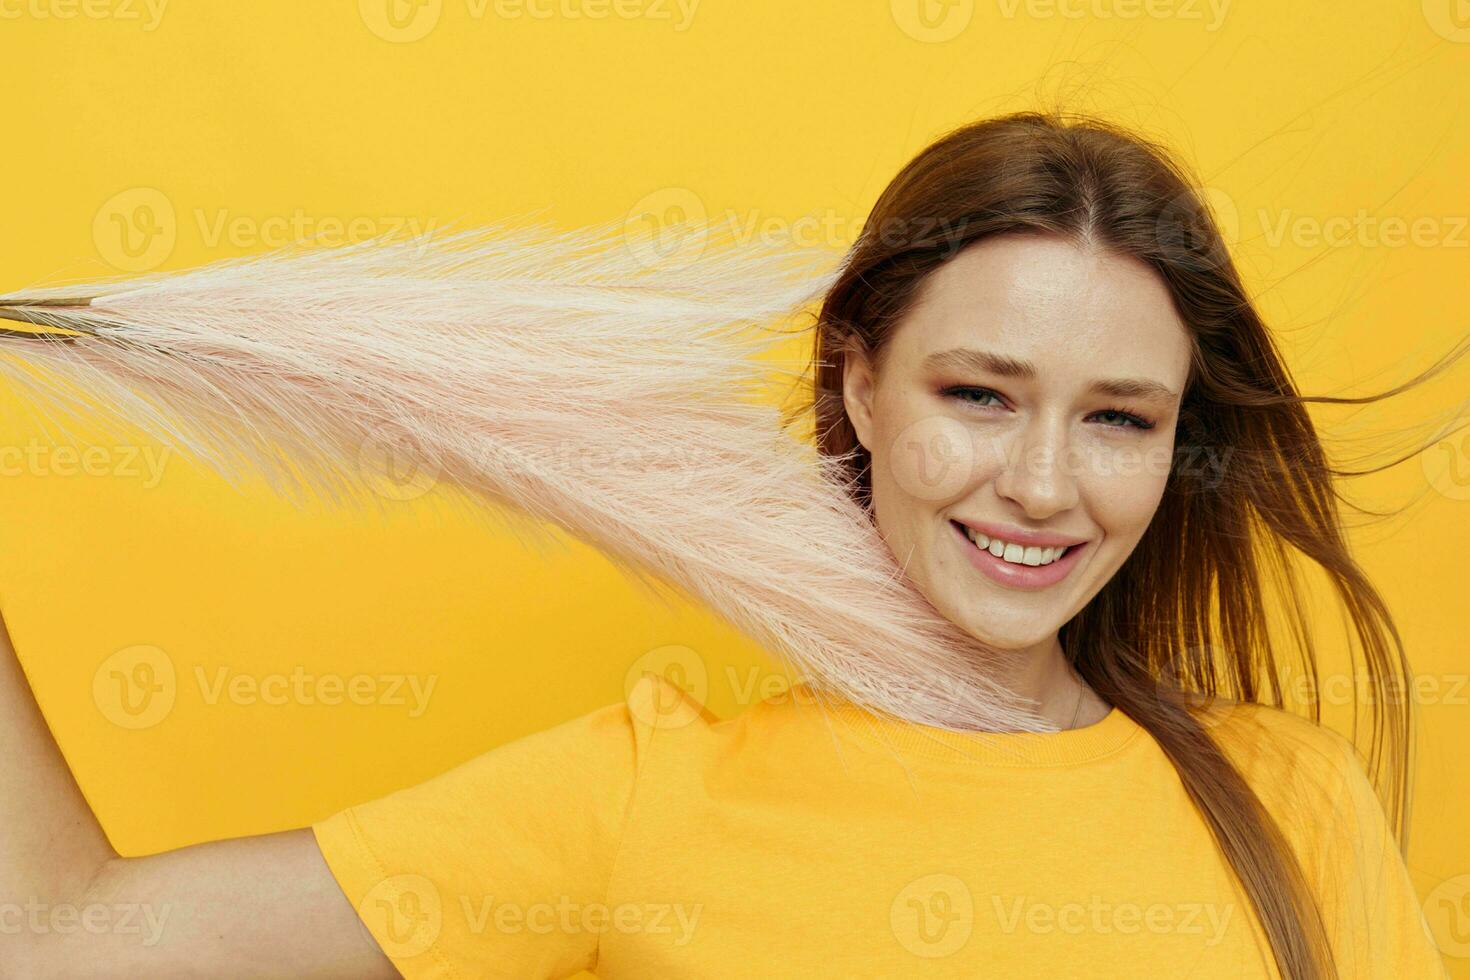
(1310, 777)
(614, 739)
(1264, 737)
(1314, 783)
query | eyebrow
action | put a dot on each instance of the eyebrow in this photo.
(972, 359)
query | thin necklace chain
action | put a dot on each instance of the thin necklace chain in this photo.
(1078, 712)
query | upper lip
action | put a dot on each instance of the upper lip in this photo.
(1016, 535)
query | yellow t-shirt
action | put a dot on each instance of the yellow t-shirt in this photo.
(649, 838)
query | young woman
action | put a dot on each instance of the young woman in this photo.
(1075, 434)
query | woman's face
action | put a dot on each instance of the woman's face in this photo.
(1031, 394)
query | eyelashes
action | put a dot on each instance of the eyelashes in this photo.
(1130, 419)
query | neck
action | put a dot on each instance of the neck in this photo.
(1062, 697)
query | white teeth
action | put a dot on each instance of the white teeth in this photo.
(1014, 553)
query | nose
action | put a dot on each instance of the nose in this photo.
(1036, 471)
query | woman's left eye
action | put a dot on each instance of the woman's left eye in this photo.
(1124, 419)
(1128, 419)
(962, 391)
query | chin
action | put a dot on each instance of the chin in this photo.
(997, 631)
(1010, 641)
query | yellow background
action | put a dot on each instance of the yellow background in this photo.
(208, 129)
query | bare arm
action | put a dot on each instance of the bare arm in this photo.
(263, 906)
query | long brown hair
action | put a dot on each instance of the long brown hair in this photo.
(1145, 643)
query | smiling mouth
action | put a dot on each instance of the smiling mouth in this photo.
(1016, 573)
(1015, 554)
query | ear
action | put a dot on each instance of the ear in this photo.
(857, 393)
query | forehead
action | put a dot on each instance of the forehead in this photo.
(1065, 307)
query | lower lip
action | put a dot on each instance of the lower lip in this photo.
(1018, 576)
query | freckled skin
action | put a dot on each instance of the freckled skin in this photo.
(1041, 454)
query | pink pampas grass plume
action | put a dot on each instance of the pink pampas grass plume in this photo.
(574, 378)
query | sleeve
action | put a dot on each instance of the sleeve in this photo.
(500, 866)
(1372, 910)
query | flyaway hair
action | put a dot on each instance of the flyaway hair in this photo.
(502, 359)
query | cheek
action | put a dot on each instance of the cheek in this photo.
(923, 456)
(1123, 491)
(920, 462)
